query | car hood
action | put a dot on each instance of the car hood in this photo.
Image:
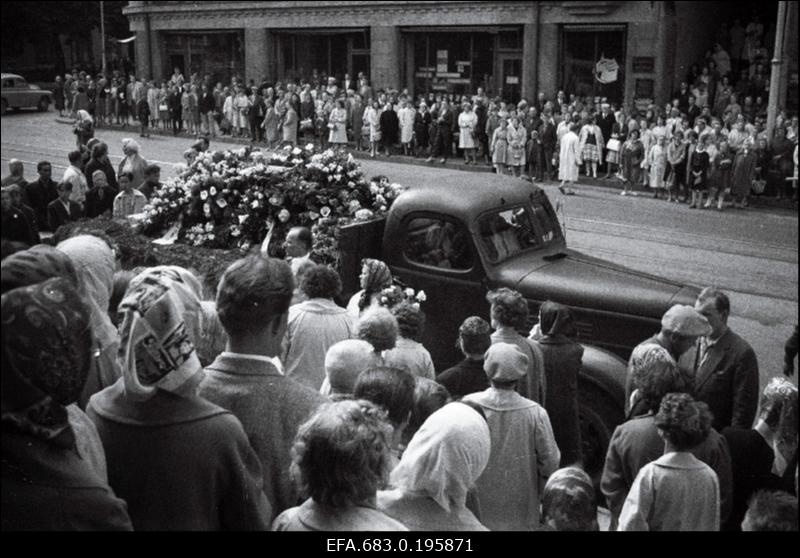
(578, 280)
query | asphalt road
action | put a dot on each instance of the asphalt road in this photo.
(752, 254)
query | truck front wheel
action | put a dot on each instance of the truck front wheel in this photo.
(598, 416)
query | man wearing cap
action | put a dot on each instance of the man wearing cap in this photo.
(524, 451)
(681, 326)
(474, 338)
(725, 365)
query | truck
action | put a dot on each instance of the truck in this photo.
(469, 233)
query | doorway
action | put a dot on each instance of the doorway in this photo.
(177, 61)
(582, 47)
(510, 89)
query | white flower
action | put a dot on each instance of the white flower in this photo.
(325, 169)
(207, 209)
(364, 215)
(325, 211)
(284, 215)
(416, 305)
(421, 296)
(221, 203)
(209, 227)
(373, 188)
(204, 195)
(309, 147)
(212, 191)
(296, 161)
(212, 236)
(254, 205)
(409, 292)
(235, 232)
(313, 215)
(354, 205)
(337, 177)
(351, 184)
(296, 151)
(245, 246)
(243, 218)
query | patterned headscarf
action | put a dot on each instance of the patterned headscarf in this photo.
(95, 262)
(376, 277)
(35, 265)
(781, 393)
(446, 456)
(160, 323)
(47, 342)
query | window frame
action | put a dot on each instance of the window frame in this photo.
(475, 264)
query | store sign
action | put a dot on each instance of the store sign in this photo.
(441, 60)
(424, 74)
(512, 80)
(448, 75)
(459, 80)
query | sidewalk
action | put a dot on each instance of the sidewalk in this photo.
(454, 163)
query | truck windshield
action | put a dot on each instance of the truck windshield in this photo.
(508, 232)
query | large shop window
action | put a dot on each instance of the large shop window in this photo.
(332, 52)
(582, 48)
(219, 54)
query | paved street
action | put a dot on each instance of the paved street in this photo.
(753, 254)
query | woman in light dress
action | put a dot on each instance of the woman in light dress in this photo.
(406, 115)
(467, 121)
(517, 138)
(500, 147)
(657, 162)
(337, 123)
(372, 117)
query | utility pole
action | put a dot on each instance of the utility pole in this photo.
(103, 36)
(775, 76)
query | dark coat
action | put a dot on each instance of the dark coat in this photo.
(57, 214)
(728, 381)
(181, 463)
(96, 206)
(422, 125)
(606, 123)
(47, 488)
(464, 378)
(17, 228)
(390, 126)
(562, 364)
(107, 169)
(271, 407)
(39, 195)
(636, 443)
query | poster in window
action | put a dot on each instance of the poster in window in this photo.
(441, 60)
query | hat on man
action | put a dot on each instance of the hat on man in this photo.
(504, 362)
(685, 320)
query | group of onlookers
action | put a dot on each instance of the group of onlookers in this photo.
(90, 187)
(129, 401)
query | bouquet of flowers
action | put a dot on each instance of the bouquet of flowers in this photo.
(233, 199)
(394, 295)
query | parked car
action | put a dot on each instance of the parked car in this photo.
(18, 93)
(463, 236)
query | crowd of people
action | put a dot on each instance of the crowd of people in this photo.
(130, 402)
(706, 147)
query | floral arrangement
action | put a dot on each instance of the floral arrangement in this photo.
(394, 295)
(234, 199)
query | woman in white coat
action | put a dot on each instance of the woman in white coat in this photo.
(467, 121)
(406, 116)
(372, 117)
(337, 123)
(569, 159)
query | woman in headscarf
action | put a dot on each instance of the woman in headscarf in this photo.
(84, 128)
(163, 441)
(562, 364)
(46, 350)
(33, 266)
(375, 276)
(439, 467)
(764, 457)
(94, 262)
(351, 438)
(133, 162)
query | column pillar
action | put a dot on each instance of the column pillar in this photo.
(157, 52)
(548, 60)
(385, 57)
(144, 69)
(530, 59)
(256, 51)
(410, 64)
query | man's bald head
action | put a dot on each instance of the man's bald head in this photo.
(345, 360)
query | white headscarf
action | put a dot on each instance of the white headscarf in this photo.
(446, 456)
(84, 116)
(95, 263)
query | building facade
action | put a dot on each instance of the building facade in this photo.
(510, 49)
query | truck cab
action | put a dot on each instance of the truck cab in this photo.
(458, 239)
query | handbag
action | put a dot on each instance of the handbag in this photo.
(306, 124)
(163, 106)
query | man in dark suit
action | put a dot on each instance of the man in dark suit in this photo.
(605, 121)
(41, 192)
(15, 226)
(693, 111)
(62, 210)
(444, 138)
(26, 210)
(726, 368)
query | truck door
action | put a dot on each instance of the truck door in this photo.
(437, 256)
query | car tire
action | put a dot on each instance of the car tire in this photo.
(598, 416)
(3, 107)
(44, 104)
